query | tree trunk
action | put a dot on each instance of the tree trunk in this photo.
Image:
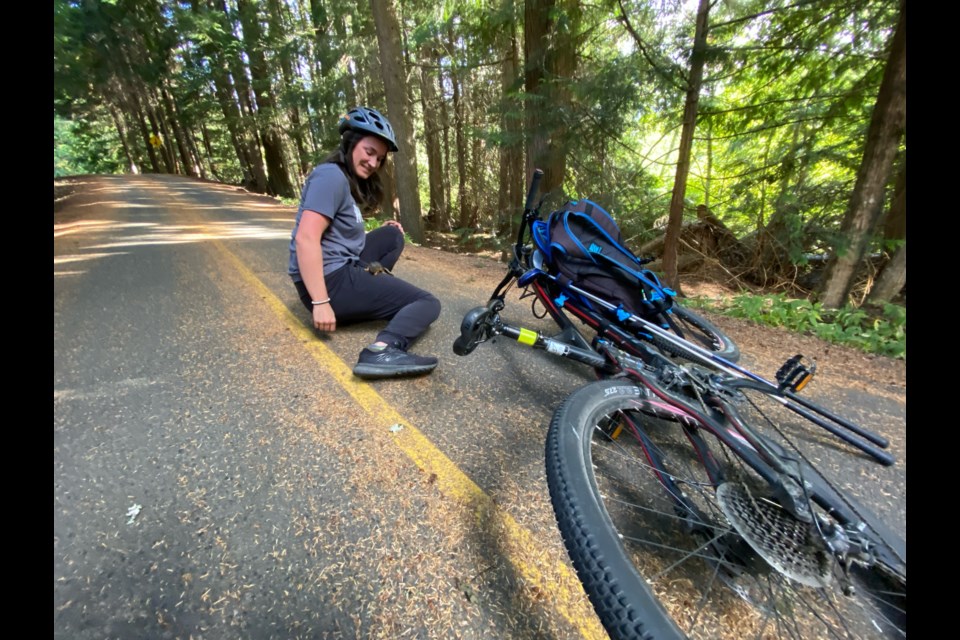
(777, 242)
(368, 78)
(708, 180)
(158, 116)
(232, 118)
(190, 164)
(448, 222)
(137, 135)
(390, 208)
(251, 170)
(394, 81)
(463, 217)
(144, 110)
(277, 35)
(147, 129)
(278, 174)
(510, 195)
(893, 276)
(144, 132)
(475, 175)
(436, 212)
(195, 152)
(891, 280)
(327, 51)
(895, 224)
(697, 63)
(122, 134)
(346, 83)
(208, 149)
(237, 85)
(866, 202)
(550, 50)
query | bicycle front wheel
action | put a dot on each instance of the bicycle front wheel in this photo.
(649, 538)
(696, 329)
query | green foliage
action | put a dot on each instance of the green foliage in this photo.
(85, 147)
(883, 332)
(63, 142)
(786, 98)
(369, 224)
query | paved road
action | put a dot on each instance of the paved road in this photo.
(218, 473)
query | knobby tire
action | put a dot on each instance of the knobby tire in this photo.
(679, 569)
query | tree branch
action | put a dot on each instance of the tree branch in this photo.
(667, 75)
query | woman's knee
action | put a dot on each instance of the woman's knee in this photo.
(388, 236)
(432, 305)
(384, 245)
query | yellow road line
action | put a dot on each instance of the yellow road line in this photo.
(526, 552)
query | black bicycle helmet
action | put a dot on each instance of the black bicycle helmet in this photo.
(369, 121)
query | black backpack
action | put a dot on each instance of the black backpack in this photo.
(582, 245)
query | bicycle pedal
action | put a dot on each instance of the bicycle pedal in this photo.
(795, 374)
(612, 428)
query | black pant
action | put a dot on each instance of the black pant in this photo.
(357, 295)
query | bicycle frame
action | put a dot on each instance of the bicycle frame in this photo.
(703, 399)
(570, 342)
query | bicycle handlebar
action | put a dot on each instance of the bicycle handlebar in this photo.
(532, 193)
(528, 212)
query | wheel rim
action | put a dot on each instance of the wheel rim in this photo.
(694, 333)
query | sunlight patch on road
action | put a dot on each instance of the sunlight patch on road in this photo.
(83, 257)
(81, 226)
(160, 234)
(183, 235)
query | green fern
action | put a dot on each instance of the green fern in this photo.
(885, 334)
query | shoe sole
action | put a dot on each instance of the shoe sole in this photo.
(379, 371)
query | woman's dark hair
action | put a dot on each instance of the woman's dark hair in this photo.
(367, 193)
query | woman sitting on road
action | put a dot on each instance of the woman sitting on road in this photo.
(342, 273)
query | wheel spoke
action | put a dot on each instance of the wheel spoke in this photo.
(708, 573)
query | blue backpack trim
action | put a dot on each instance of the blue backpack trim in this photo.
(599, 247)
(541, 237)
(644, 275)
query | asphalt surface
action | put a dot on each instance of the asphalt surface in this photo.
(218, 473)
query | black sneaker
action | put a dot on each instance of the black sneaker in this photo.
(391, 362)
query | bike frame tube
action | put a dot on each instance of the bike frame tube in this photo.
(748, 380)
(783, 396)
(746, 445)
(767, 460)
(787, 398)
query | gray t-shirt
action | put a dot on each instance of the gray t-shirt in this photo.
(327, 192)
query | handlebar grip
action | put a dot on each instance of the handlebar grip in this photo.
(534, 183)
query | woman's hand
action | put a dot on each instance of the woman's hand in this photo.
(393, 223)
(324, 318)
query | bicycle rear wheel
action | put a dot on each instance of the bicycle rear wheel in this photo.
(657, 555)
